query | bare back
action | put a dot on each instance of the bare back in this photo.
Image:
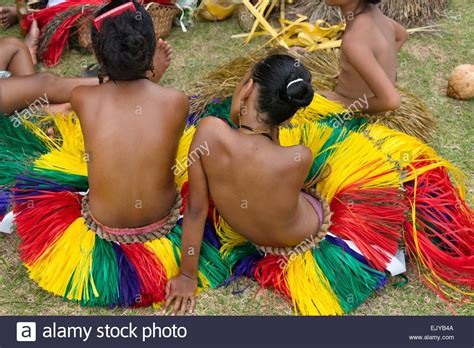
(256, 184)
(375, 32)
(131, 132)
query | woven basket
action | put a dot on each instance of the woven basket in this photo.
(162, 16)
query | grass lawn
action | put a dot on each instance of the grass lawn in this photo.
(425, 63)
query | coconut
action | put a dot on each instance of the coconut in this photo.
(461, 82)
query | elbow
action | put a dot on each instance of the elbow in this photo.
(197, 212)
(405, 36)
(393, 102)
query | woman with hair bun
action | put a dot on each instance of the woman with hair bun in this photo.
(255, 183)
(314, 210)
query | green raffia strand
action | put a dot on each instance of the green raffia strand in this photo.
(338, 135)
(18, 149)
(402, 282)
(79, 182)
(239, 252)
(350, 279)
(221, 110)
(105, 272)
(210, 261)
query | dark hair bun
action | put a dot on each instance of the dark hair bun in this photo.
(134, 44)
(125, 45)
(299, 92)
(284, 87)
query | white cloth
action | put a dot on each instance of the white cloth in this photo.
(397, 264)
(7, 223)
(52, 3)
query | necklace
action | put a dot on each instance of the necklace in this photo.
(253, 131)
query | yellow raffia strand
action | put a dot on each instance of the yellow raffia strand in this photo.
(320, 108)
(311, 134)
(68, 261)
(310, 291)
(163, 249)
(407, 150)
(35, 127)
(229, 238)
(181, 172)
(68, 154)
(422, 265)
(291, 136)
(315, 135)
(355, 160)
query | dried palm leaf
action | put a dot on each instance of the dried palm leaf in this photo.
(407, 12)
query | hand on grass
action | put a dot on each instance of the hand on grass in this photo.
(182, 291)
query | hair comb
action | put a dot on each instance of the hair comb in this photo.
(129, 6)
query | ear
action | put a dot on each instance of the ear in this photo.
(247, 89)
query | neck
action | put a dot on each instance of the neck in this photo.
(350, 11)
(250, 119)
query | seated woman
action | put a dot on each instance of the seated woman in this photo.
(368, 70)
(328, 251)
(240, 170)
(112, 245)
(370, 45)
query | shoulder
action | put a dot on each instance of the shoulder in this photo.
(82, 96)
(178, 96)
(175, 96)
(211, 132)
(357, 45)
(212, 126)
(360, 31)
(296, 163)
(301, 156)
(78, 94)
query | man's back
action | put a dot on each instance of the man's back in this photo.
(131, 132)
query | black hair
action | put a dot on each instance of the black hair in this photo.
(284, 87)
(374, 2)
(125, 45)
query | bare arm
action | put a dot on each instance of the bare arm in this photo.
(182, 288)
(386, 96)
(401, 34)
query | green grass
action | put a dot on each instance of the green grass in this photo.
(425, 64)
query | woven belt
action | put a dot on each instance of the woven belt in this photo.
(162, 231)
(311, 242)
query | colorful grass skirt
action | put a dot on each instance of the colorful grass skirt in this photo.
(385, 190)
